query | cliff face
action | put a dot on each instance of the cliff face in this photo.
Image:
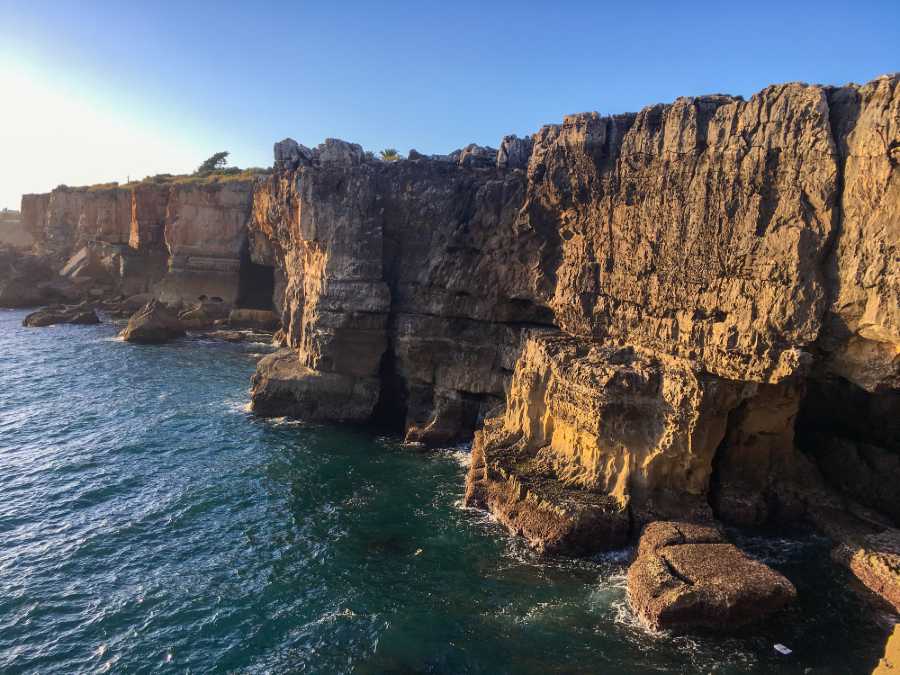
(685, 314)
(399, 284)
(642, 306)
(13, 232)
(205, 231)
(181, 240)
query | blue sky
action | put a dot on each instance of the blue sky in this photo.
(112, 89)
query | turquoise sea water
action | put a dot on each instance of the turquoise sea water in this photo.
(149, 524)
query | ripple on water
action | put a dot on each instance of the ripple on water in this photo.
(149, 523)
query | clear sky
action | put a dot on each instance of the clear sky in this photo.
(95, 91)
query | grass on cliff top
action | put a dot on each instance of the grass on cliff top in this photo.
(229, 175)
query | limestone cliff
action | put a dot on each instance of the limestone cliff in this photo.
(686, 314)
(182, 240)
(648, 309)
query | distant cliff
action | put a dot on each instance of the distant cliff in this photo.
(12, 230)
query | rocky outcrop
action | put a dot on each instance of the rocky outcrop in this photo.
(283, 386)
(689, 576)
(632, 309)
(81, 315)
(153, 324)
(13, 232)
(890, 662)
(29, 281)
(687, 313)
(181, 239)
(862, 327)
(865, 543)
(205, 232)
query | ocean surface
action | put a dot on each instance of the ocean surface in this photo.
(148, 523)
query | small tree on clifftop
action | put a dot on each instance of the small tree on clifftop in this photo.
(390, 155)
(214, 163)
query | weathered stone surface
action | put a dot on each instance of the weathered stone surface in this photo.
(148, 217)
(290, 155)
(695, 229)
(206, 230)
(890, 662)
(477, 156)
(50, 316)
(257, 319)
(863, 321)
(335, 152)
(283, 386)
(13, 231)
(875, 560)
(105, 216)
(514, 152)
(29, 281)
(34, 216)
(153, 324)
(204, 315)
(640, 431)
(688, 576)
(531, 502)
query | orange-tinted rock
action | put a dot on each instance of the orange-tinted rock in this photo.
(688, 576)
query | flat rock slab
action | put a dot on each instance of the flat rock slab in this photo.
(875, 560)
(689, 576)
(51, 316)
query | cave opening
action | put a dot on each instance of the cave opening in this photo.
(853, 436)
(256, 284)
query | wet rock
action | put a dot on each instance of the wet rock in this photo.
(257, 319)
(204, 315)
(615, 428)
(50, 316)
(532, 503)
(153, 324)
(688, 576)
(282, 386)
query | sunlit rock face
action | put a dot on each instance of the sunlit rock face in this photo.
(687, 313)
(630, 309)
(205, 231)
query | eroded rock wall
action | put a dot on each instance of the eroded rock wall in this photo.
(180, 240)
(681, 274)
(205, 232)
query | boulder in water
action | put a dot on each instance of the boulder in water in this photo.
(687, 575)
(154, 323)
(82, 315)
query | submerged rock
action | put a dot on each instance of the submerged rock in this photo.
(688, 576)
(153, 324)
(49, 316)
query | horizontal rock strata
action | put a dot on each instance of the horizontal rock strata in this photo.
(685, 314)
